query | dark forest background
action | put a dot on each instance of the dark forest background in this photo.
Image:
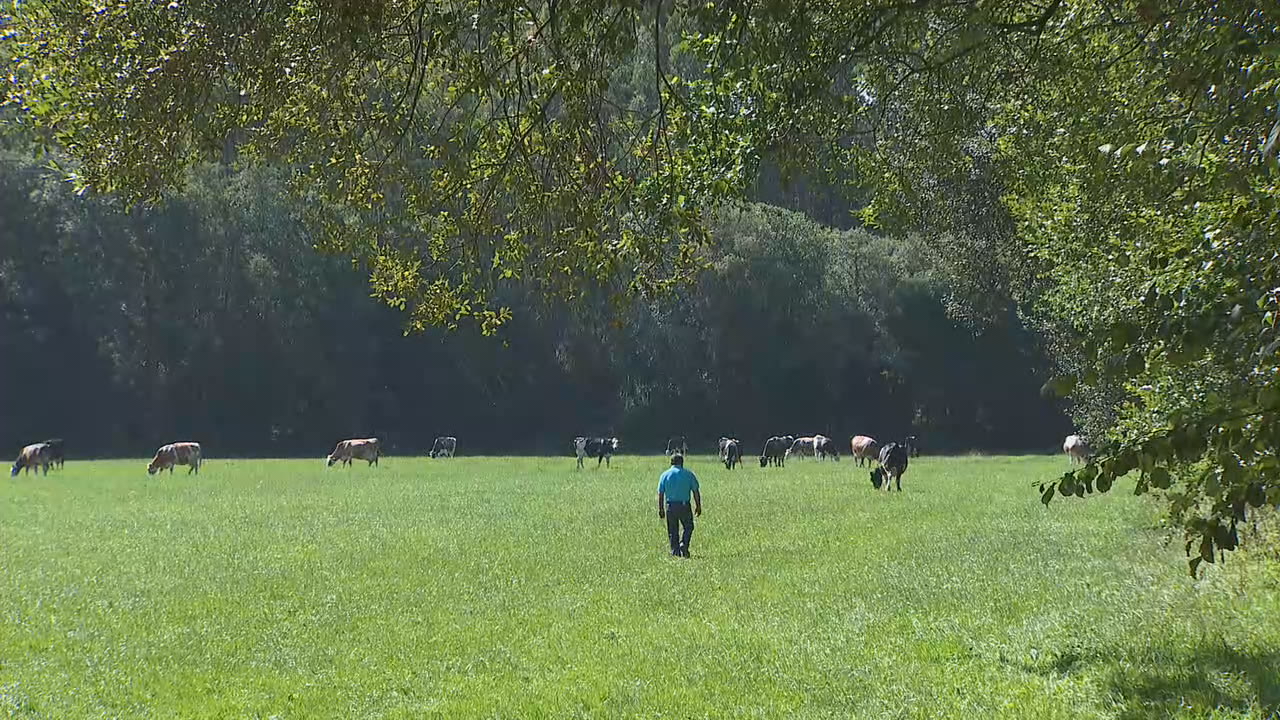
(213, 318)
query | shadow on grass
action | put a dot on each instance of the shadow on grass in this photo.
(1164, 683)
(1198, 681)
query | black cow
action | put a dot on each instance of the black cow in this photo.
(601, 449)
(732, 453)
(677, 444)
(55, 448)
(893, 463)
(775, 450)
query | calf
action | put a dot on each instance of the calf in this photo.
(444, 446)
(893, 463)
(1076, 448)
(864, 449)
(732, 453)
(601, 449)
(181, 453)
(368, 449)
(774, 452)
(32, 457)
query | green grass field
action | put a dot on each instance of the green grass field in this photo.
(520, 587)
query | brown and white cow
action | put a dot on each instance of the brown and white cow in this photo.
(865, 449)
(359, 449)
(179, 453)
(33, 457)
(1076, 448)
(803, 446)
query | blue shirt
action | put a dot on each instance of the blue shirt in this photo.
(678, 484)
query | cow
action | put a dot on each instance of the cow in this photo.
(677, 444)
(444, 446)
(1076, 448)
(825, 448)
(913, 445)
(802, 446)
(32, 457)
(601, 449)
(723, 442)
(180, 453)
(893, 463)
(864, 449)
(57, 453)
(775, 451)
(732, 453)
(368, 449)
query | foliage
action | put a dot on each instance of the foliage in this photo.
(1130, 148)
(521, 587)
(210, 317)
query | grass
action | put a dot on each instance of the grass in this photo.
(520, 587)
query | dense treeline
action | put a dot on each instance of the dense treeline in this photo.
(212, 317)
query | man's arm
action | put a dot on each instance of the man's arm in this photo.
(661, 511)
(697, 503)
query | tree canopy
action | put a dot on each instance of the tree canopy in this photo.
(1110, 166)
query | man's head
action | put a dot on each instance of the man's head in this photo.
(677, 460)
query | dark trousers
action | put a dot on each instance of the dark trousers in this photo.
(679, 514)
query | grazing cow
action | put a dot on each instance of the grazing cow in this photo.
(368, 449)
(444, 446)
(1076, 448)
(732, 453)
(181, 453)
(802, 446)
(775, 451)
(913, 445)
(893, 463)
(601, 449)
(825, 448)
(32, 457)
(57, 453)
(864, 449)
(677, 444)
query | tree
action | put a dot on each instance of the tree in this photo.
(1132, 146)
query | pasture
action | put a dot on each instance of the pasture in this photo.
(520, 587)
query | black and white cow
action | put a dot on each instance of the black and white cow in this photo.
(601, 449)
(444, 446)
(775, 451)
(732, 453)
(825, 448)
(893, 463)
(677, 444)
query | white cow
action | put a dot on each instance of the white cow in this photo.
(1076, 448)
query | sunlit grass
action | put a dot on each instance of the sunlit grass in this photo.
(524, 588)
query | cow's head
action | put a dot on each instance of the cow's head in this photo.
(152, 467)
(329, 461)
(613, 443)
(764, 461)
(17, 468)
(877, 478)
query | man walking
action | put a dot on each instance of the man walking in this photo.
(674, 487)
